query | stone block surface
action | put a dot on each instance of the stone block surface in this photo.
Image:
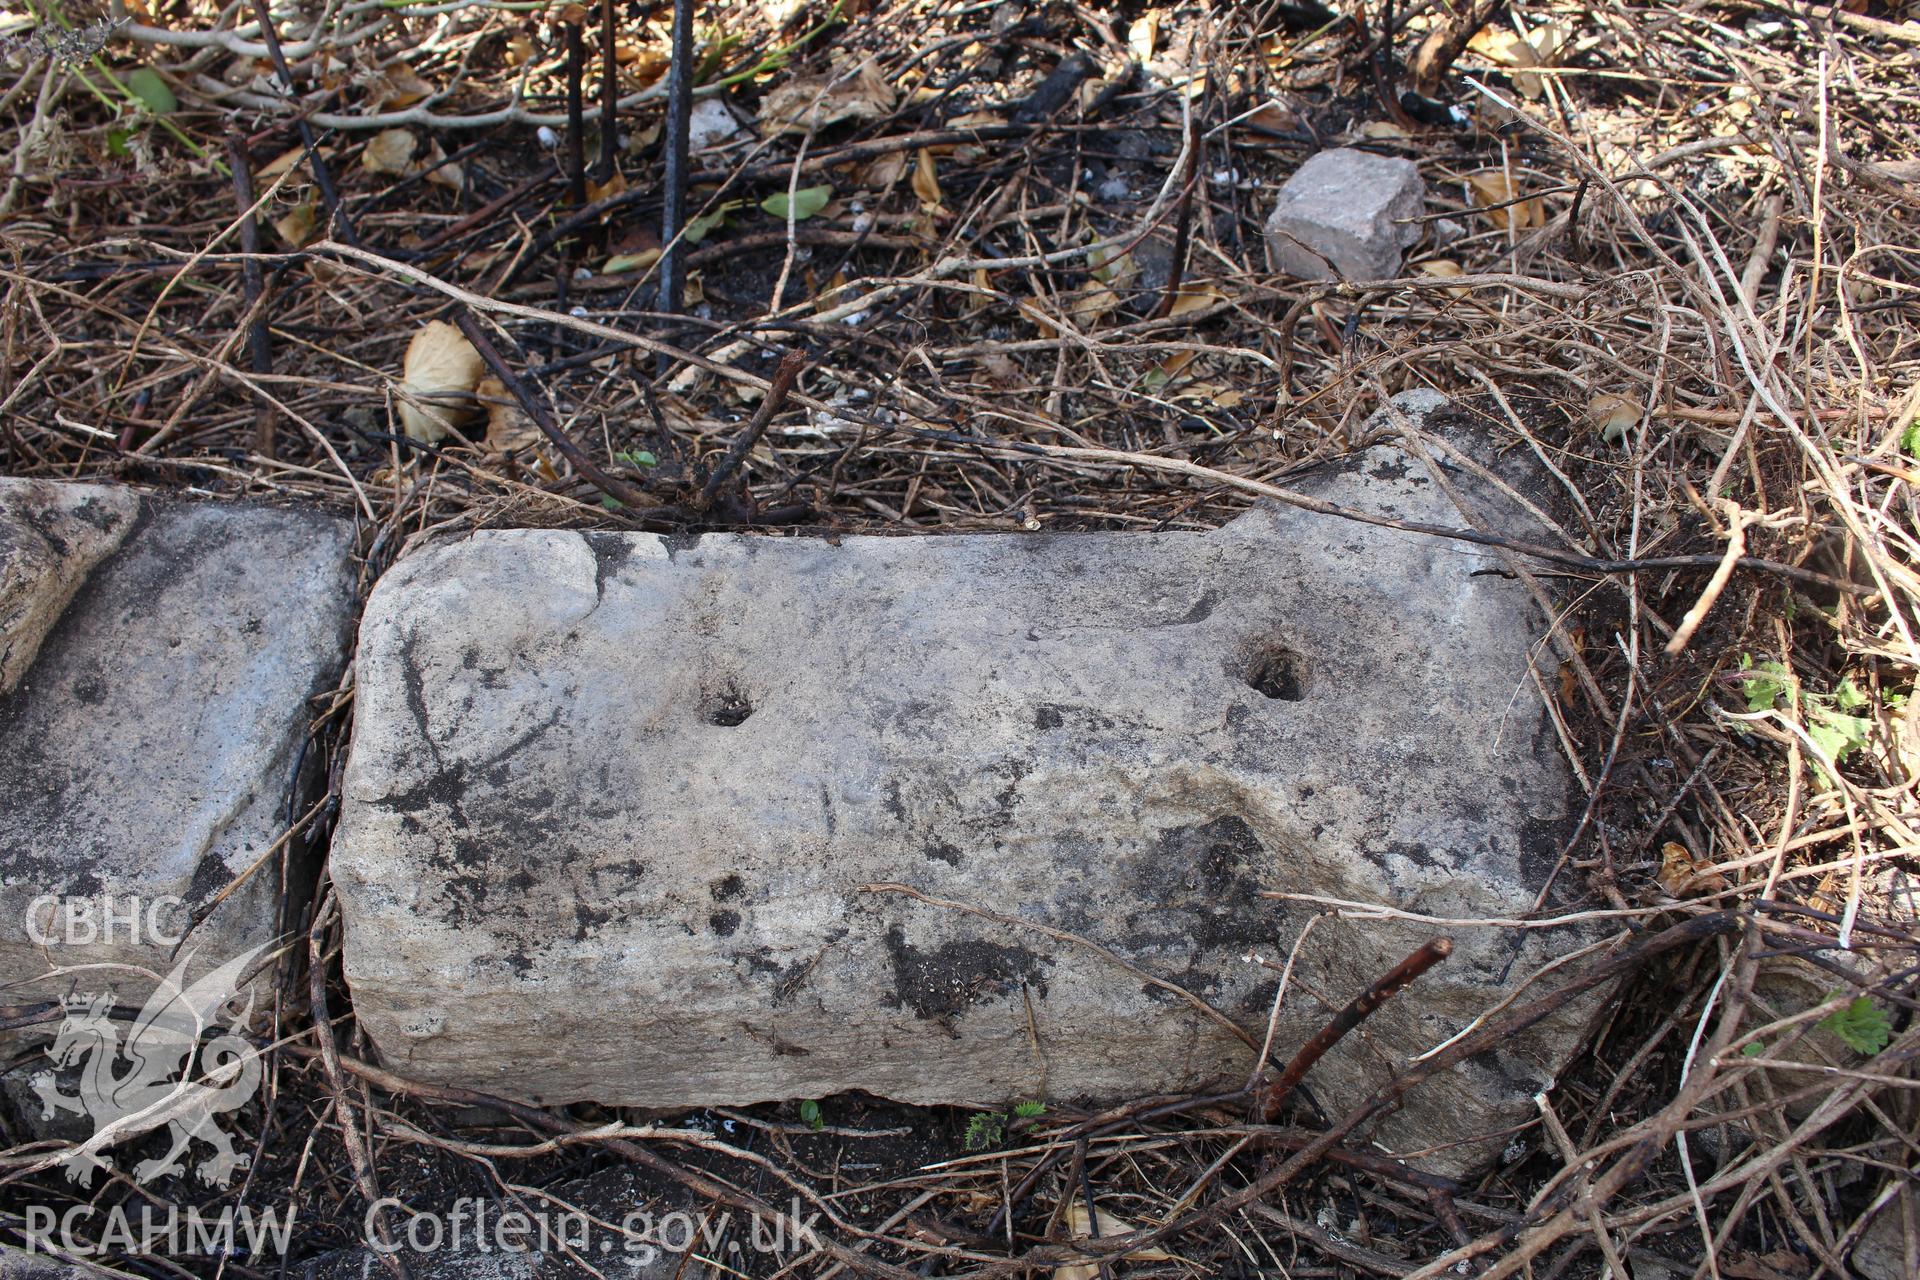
(148, 751)
(620, 809)
(1346, 215)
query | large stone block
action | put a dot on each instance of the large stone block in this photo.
(618, 808)
(1346, 215)
(147, 752)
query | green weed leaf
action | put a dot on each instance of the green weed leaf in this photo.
(984, 1131)
(810, 1115)
(703, 226)
(145, 84)
(1763, 684)
(807, 201)
(1860, 1025)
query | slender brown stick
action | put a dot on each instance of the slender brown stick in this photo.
(609, 92)
(783, 379)
(1395, 980)
(322, 176)
(259, 347)
(576, 122)
(619, 491)
(1183, 217)
(673, 214)
(350, 1136)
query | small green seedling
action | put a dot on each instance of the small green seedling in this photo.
(1861, 1025)
(811, 1117)
(1762, 684)
(984, 1131)
(1835, 731)
(988, 1129)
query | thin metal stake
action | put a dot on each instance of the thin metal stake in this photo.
(679, 116)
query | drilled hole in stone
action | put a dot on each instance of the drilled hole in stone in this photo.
(1278, 673)
(728, 711)
(725, 706)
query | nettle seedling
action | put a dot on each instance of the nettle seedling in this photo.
(1830, 717)
(1860, 1024)
(987, 1129)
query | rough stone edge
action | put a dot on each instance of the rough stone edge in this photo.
(45, 560)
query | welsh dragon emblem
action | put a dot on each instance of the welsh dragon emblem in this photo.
(159, 1085)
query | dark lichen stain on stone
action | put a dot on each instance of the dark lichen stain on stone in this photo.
(1206, 880)
(1382, 854)
(724, 922)
(942, 852)
(727, 888)
(610, 554)
(1047, 717)
(586, 919)
(942, 984)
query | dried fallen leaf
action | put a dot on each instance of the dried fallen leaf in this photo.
(1080, 1227)
(299, 226)
(1495, 192)
(285, 161)
(1088, 305)
(1684, 876)
(389, 151)
(613, 186)
(1384, 130)
(437, 380)
(508, 427)
(1271, 117)
(1193, 298)
(1172, 367)
(987, 119)
(397, 90)
(813, 102)
(1001, 370)
(1614, 416)
(1507, 48)
(883, 172)
(984, 282)
(926, 182)
(442, 174)
(1143, 34)
(1442, 269)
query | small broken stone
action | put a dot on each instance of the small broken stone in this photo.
(1346, 215)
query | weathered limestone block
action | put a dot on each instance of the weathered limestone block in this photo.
(1346, 215)
(148, 752)
(618, 808)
